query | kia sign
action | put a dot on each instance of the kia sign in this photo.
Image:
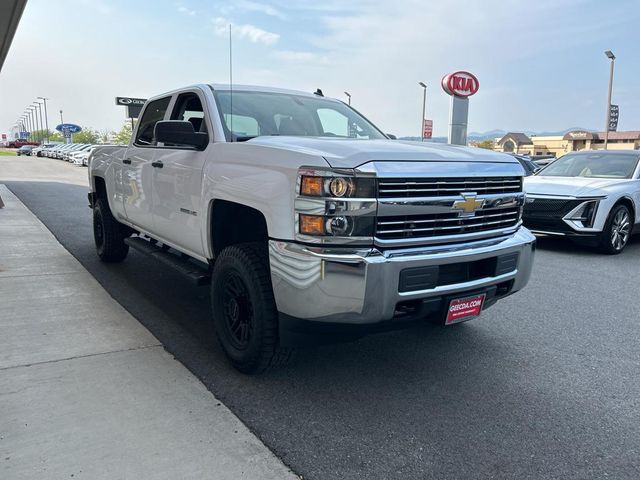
(134, 105)
(614, 113)
(427, 128)
(460, 84)
(68, 127)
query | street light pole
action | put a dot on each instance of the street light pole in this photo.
(61, 120)
(611, 57)
(348, 97)
(38, 121)
(424, 107)
(41, 122)
(46, 117)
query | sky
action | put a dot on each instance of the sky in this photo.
(540, 64)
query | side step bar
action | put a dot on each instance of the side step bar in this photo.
(197, 274)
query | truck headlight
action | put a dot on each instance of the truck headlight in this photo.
(335, 206)
(336, 186)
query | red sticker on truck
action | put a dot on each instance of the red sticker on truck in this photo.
(462, 308)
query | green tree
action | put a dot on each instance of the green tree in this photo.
(488, 144)
(105, 135)
(42, 135)
(124, 135)
(87, 135)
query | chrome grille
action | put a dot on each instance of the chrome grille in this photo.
(430, 225)
(446, 187)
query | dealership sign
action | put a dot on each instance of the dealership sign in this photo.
(134, 105)
(68, 127)
(427, 128)
(460, 84)
(614, 113)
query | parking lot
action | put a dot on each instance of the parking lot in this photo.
(543, 385)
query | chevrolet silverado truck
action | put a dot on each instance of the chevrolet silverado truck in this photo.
(307, 221)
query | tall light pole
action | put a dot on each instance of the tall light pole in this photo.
(35, 116)
(348, 97)
(611, 57)
(26, 116)
(46, 117)
(61, 120)
(424, 107)
(36, 108)
(41, 122)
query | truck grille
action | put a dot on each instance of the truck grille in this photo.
(430, 225)
(446, 187)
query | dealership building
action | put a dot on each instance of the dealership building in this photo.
(516, 142)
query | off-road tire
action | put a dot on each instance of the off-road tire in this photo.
(242, 297)
(109, 234)
(606, 243)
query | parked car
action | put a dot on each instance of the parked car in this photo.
(24, 150)
(591, 196)
(77, 147)
(81, 157)
(305, 217)
(543, 160)
(530, 168)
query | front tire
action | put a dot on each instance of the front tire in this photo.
(244, 309)
(617, 231)
(108, 234)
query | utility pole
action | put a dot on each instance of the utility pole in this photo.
(61, 120)
(46, 117)
(611, 57)
(424, 108)
(348, 97)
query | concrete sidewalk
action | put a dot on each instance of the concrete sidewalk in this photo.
(87, 392)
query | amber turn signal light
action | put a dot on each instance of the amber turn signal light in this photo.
(312, 224)
(311, 186)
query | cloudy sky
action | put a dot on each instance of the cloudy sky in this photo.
(540, 63)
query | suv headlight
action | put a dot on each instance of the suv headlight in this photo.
(335, 206)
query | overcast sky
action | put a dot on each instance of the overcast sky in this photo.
(540, 63)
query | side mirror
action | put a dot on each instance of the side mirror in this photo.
(178, 132)
(391, 136)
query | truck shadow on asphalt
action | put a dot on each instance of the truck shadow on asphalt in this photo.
(565, 245)
(392, 405)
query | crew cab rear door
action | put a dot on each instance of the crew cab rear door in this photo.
(178, 183)
(138, 166)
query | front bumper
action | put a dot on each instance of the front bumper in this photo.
(362, 286)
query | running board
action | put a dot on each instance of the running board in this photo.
(198, 275)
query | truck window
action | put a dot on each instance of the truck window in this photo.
(189, 108)
(333, 122)
(243, 126)
(152, 114)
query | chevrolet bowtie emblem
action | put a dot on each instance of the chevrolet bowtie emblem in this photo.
(469, 205)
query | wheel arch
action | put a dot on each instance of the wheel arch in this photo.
(231, 223)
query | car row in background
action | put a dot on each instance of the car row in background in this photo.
(77, 153)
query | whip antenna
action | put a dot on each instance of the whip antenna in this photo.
(231, 81)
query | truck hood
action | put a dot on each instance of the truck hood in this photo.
(569, 186)
(348, 153)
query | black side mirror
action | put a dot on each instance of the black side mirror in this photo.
(391, 136)
(178, 132)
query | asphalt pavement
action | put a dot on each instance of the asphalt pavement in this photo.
(543, 385)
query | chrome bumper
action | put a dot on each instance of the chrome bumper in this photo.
(360, 286)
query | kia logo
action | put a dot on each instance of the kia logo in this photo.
(460, 84)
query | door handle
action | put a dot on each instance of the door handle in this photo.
(127, 161)
(157, 164)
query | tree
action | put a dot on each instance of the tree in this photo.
(123, 137)
(105, 135)
(42, 135)
(488, 144)
(87, 135)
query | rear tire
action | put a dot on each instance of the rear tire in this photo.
(617, 231)
(109, 234)
(244, 309)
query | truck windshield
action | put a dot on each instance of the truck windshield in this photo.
(266, 113)
(597, 165)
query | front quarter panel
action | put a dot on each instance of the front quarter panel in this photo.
(256, 176)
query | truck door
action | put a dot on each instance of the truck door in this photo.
(138, 167)
(177, 186)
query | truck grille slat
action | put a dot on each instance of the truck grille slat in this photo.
(447, 186)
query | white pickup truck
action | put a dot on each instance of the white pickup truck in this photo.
(307, 220)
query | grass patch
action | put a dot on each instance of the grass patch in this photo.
(7, 153)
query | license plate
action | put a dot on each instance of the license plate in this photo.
(461, 309)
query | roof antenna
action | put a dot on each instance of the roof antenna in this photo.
(231, 82)
(319, 93)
